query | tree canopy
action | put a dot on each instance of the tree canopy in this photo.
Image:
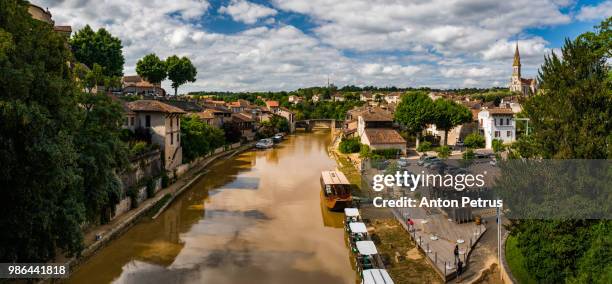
(448, 114)
(180, 71)
(101, 47)
(152, 69)
(415, 111)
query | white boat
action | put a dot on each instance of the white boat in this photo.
(264, 143)
(358, 228)
(366, 248)
(376, 276)
(351, 215)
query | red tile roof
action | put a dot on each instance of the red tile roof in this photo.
(272, 103)
(500, 111)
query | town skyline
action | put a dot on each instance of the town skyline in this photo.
(278, 45)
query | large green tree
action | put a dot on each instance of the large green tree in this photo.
(415, 111)
(40, 206)
(571, 119)
(448, 114)
(101, 47)
(58, 147)
(152, 69)
(180, 71)
(198, 138)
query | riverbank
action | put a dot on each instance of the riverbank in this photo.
(160, 201)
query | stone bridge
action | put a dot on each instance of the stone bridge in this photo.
(310, 124)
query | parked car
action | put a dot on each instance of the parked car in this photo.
(430, 161)
(403, 162)
(264, 143)
(277, 137)
(425, 159)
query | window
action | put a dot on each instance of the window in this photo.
(497, 134)
(132, 121)
(507, 121)
(148, 121)
(508, 133)
(171, 138)
(171, 123)
(501, 121)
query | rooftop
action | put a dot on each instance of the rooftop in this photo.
(153, 106)
(376, 114)
(378, 136)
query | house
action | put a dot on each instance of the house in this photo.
(43, 15)
(393, 98)
(497, 123)
(316, 98)
(375, 129)
(163, 122)
(220, 113)
(245, 123)
(295, 99)
(239, 105)
(366, 97)
(208, 117)
(273, 106)
(289, 115)
(135, 85)
(337, 97)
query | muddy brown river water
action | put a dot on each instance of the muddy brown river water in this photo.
(254, 218)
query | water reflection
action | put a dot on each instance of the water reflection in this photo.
(254, 218)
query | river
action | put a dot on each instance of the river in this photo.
(253, 218)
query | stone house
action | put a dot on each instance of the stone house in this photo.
(163, 122)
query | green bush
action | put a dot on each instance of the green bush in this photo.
(350, 145)
(474, 140)
(150, 188)
(138, 148)
(387, 153)
(165, 180)
(424, 146)
(443, 152)
(498, 145)
(469, 154)
(364, 151)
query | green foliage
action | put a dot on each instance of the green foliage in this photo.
(198, 138)
(386, 153)
(324, 110)
(150, 188)
(474, 141)
(494, 96)
(57, 150)
(469, 154)
(578, 84)
(180, 71)
(99, 47)
(138, 148)
(516, 262)
(415, 111)
(498, 145)
(448, 114)
(443, 152)
(364, 151)
(232, 132)
(165, 180)
(424, 146)
(350, 145)
(152, 69)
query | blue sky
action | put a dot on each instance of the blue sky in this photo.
(256, 45)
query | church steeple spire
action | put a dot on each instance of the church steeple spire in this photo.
(517, 57)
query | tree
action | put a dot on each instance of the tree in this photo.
(152, 69)
(415, 111)
(232, 132)
(198, 138)
(99, 47)
(497, 145)
(40, 194)
(180, 71)
(474, 141)
(448, 114)
(578, 83)
(443, 152)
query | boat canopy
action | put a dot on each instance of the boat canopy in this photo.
(334, 177)
(376, 276)
(366, 247)
(351, 212)
(358, 227)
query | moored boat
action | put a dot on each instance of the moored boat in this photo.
(264, 143)
(336, 190)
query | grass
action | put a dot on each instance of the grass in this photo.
(515, 262)
(413, 267)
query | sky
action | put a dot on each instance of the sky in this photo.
(256, 45)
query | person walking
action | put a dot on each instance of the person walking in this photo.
(459, 270)
(456, 253)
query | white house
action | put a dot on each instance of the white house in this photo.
(163, 121)
(497, 123)
(393, 98)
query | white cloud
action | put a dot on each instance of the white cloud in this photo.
(601, 11)
(402, 43)
(246, 12)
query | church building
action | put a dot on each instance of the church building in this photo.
(524, 86)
